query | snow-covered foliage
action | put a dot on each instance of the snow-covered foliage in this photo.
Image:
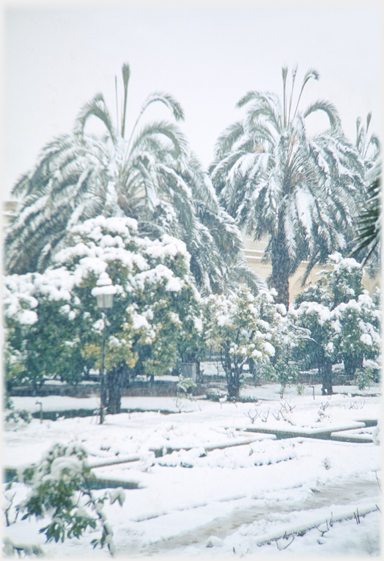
(244, 328)
(367, 244)
(368, 146)
(153, 317)
(184, 385)
(14, 418)
(22, 549)
(278, 181)
(339, 320)
(150, 175)
(60, 487)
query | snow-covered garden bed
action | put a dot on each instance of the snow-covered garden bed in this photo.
(209, 496)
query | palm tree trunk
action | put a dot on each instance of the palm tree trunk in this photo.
(280, 269)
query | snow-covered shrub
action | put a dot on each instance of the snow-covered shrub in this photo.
(300, 388)
(245, 329)
(61, 490)
(364, 377)
(153, 320)
(282, 372)
(22, 549)
(15, 417)
(183, 387)
(40, 337)
(337, 321)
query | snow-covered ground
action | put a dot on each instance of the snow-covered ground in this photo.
(208, 498)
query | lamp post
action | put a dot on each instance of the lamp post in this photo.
(103, 292)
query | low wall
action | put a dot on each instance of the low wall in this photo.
(145, 389)
(68, 390)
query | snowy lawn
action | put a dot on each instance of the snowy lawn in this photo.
(211, 497)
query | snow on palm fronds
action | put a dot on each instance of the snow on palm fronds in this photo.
(367, 243)
(150, 174)
(276, 180)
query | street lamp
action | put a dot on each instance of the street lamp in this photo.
(103, 292)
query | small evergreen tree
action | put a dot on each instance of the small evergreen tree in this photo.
(244, 328)
(338, 321)
(54, 324)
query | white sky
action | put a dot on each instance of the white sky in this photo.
(207, 55)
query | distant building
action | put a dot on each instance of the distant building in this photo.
(254, 252)
(9, 208)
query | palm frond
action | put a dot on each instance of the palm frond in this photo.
(126, 71)
(226, 140)
(369, 224)
(294, 72)
(329, 109)
(249, 96)
(173, 105)
(241, 273)
(308, 75)
(97, 108)
(165, 130)
(284, 72)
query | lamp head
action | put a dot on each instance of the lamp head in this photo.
(104, 291)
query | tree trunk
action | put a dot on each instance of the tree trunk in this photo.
(232, 376)
(280, 268)
(233, 387)
(198, 372)
(253, 370)
(326, 374)
(351, 363)
(115, 383)
(282, 390)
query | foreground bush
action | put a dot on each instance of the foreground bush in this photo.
(60, 488)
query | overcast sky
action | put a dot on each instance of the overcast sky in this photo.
(206, 55)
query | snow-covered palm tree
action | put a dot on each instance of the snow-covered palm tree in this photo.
(150, 175)
(368, 145)
(81, 175)
(367, 243)
(279, 181)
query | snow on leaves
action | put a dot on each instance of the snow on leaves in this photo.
(244, 328)
(60, 488)
(154, 290)
(341, 319)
